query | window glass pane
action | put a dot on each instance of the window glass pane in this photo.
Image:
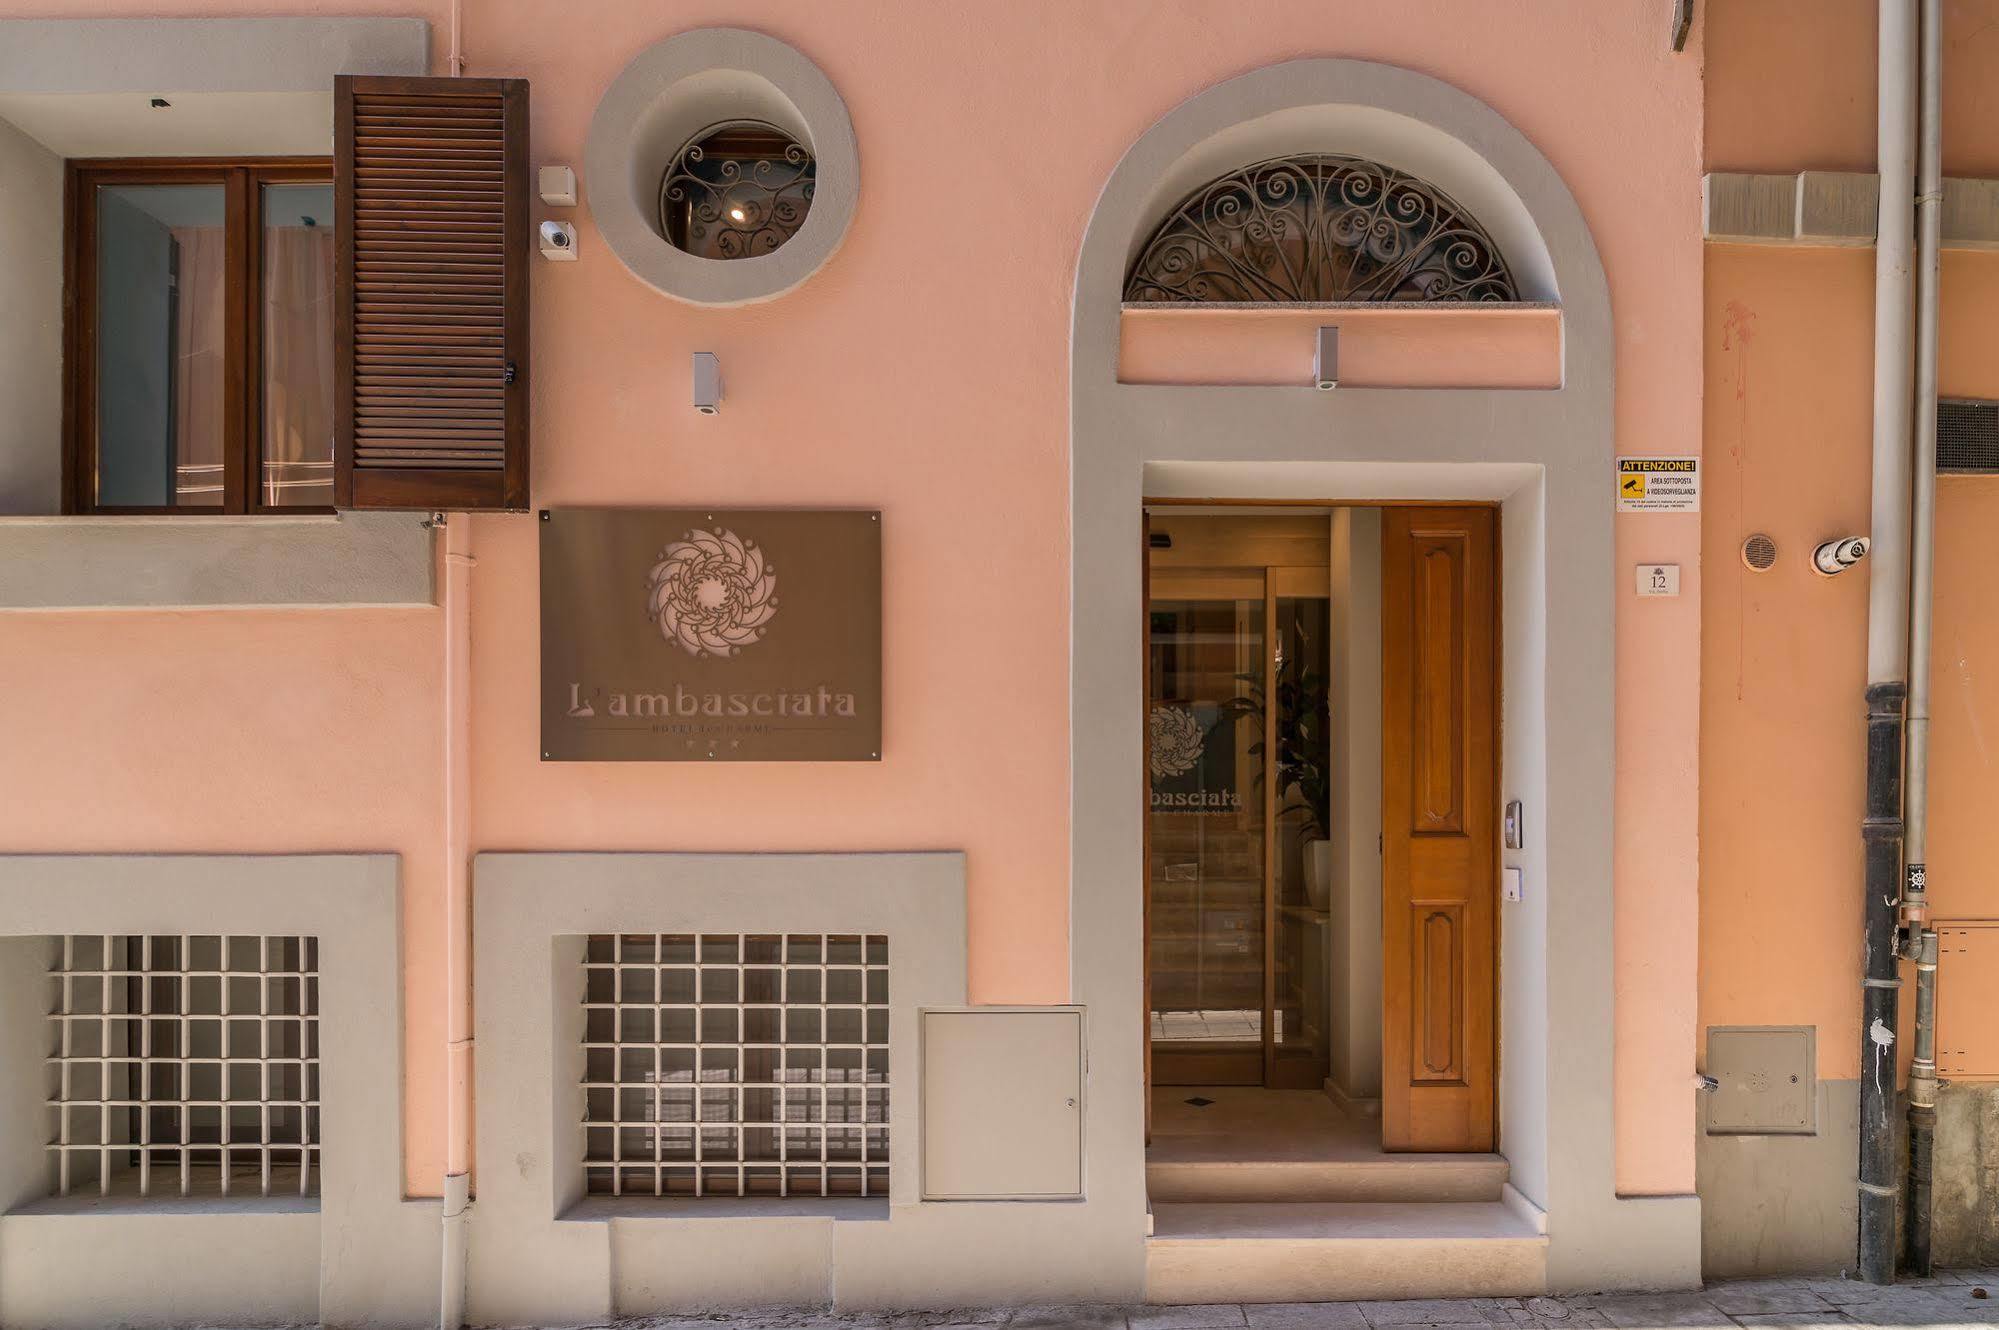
(297, 356)
(160, 262)
(737, 191)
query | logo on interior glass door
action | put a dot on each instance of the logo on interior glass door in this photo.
(1188, 775)
(1176, 741)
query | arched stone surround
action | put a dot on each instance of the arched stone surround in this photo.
(1545, 455)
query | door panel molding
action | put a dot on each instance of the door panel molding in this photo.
(1437, 972)
(1438, 744)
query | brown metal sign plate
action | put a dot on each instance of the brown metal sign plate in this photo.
(710, 635)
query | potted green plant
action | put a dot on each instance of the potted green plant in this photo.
(1303, 777)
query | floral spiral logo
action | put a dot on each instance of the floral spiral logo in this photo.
(712, 594)
(1176, 741)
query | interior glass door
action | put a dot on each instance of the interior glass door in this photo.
(1208, 840)
(1239, 864)
(1302, 870)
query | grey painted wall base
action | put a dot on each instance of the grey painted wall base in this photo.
(98, 563)
(1781, 1205)
(543, 1253)
(1966, 1167)
(361, 1255)
(83, 1269)
(1784, 1205)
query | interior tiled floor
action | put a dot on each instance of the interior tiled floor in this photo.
(1245, 1123)
(1207, 1026)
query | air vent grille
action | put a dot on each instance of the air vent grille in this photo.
(1967, 436)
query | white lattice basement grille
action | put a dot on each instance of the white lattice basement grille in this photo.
(734, 1064)
(185, 1065)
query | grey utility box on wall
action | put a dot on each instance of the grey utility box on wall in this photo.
(1766, 1080)
(1002, 1103)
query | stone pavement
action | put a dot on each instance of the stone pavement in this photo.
(1951, 1298)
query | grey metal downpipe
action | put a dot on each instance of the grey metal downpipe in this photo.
(1882, 833)
(1922, 1109)
(1918, 943)
(1887, 636)
(1923, 505)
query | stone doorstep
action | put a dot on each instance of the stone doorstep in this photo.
(1415, 1180)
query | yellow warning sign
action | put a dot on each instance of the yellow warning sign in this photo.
(1658, 484)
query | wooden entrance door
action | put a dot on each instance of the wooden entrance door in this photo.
(1440, 689)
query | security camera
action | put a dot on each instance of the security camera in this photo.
(1836, 556)
(558, 241)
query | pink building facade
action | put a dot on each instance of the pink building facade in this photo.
(315, 942)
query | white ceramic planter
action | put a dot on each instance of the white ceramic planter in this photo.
(1319, 873)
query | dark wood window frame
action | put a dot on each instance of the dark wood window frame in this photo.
(242, 181)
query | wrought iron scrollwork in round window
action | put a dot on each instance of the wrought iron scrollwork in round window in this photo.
(1318, 228)
(736, 190)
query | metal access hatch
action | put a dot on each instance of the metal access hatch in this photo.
(1967, 999)
(1766, 1080)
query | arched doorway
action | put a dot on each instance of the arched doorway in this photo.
(1310, 923)
(1537, 459)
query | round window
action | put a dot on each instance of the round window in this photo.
(736, 191)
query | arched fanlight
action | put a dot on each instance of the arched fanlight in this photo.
(1318, 228)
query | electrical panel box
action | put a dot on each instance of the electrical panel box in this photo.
(1967, 998)
(1002, 1103)
(1767, 1080)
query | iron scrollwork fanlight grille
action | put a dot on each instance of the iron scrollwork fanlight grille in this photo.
(736, 190)
(1318, 228)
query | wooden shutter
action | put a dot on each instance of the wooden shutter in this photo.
(431, 299)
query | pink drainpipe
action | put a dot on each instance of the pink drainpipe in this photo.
(458, 565)
(457, 606)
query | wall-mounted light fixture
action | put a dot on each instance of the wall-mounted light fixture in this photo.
(1326, 360)
(707, 383)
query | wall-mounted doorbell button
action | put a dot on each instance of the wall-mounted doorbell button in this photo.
(1516, 828)
(558, 186)
(1512, 884)
(558, 241)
